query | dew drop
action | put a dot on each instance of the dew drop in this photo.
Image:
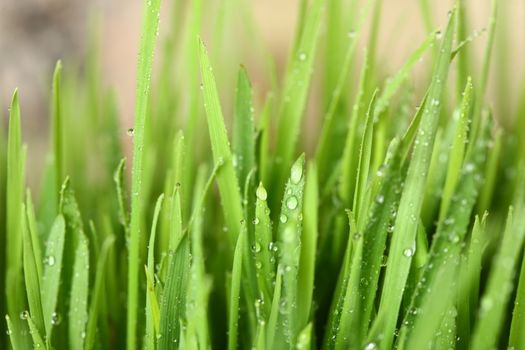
(131, 131)
(370, 346)
(283, 218)
(55, 318)
(380, 199)
(291, 203)
(24, 315)
(50, 260)
(256, 248)
(302, 56)
(408, 252)
(255, 221)
(296, 173)
(261, 193)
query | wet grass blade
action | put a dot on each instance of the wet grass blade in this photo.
(226, 178)
(289, 241)
(403, 239)
(38, 340)
(150, 23)
(173, 304)
(14, 197)
(57, 122)
(52, 271)
(78, 310)
(499, 286)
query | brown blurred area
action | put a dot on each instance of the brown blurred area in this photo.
(35, 33)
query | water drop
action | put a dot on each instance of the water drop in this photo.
(296, 173)
(256, 248)
(131, 131)
(283, 218)
(255, 221)
(380, 199)
(302, 56)
(83, 335)
(55, 318)
(24, 315)
(370, 346)
(261, 193)
(439, 34)
(408, 252)
(291, 203)
(49, 260)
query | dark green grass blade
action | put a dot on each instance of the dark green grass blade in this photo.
(226, 179)
(52, 270)
(243, 128)
(403, 239)
(233, 315)
(31, 276)
(150, 23)
(78, 309)
(14, 197)
(172, 308)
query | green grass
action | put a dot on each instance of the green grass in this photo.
(398, 225)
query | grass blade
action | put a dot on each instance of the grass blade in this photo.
(78, 310)
(403, 240)
(233, 321)
(226, 179)
(150, 24)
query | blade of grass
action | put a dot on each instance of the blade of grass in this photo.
(243, 128)
(233, 319)
(172, 308)
(57, 137)
(517, 336)
(150, 24)
(14, 197)
(226, 179)
(98, 289)
(52, 271)
(289, 243)
(403, 239)
(78, 310)
(38, 340)
(31, 276)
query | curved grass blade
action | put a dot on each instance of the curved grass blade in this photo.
(118, 178)
(226, 179)
(403, 239)
(78, 309)
(98, 289)
(150, 24)
(233, 319)
(173, 305)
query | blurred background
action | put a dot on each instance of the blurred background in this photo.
(35, 33)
